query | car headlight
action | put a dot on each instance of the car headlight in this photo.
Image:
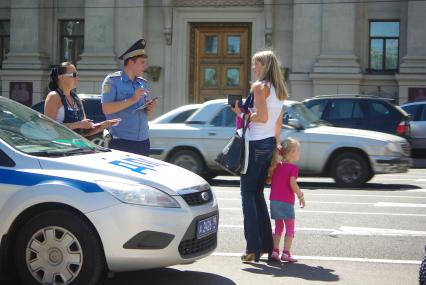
(139, 194)
(393, 147)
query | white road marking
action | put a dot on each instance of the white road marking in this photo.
(310, 202)
(352, 231)
(357, 231)
(297, 229)
(340, 212)
(402, 205)
(333, 194)
(333, 258)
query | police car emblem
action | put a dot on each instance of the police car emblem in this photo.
(205, 196)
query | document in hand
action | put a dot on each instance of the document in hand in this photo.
(146, 104)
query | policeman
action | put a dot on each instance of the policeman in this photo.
(124, 96)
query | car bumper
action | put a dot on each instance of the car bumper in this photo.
(122, 229)
(383, 165)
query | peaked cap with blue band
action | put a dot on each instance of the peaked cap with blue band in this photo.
(137, 49)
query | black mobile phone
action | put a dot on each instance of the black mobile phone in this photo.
(234, 97)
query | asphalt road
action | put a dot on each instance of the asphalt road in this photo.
(371, 235)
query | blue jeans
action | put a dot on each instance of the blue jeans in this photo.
(137, 147)
(257, 225)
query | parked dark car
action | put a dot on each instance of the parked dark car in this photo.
(361, 112)
(417, 111)
(91, 103)
(93, 108)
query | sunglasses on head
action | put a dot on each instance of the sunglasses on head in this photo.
(73, 74)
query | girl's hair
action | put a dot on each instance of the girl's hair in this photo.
(287, 146)
(55, 72)
(271, 72)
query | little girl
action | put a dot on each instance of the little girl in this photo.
(283, 175)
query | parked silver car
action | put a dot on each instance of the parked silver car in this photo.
(350, 156)
(417, 111)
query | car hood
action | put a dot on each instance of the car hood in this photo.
(336, 131)
(117, 166)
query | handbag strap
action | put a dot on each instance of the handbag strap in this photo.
(245, 125)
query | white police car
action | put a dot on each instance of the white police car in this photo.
(69, 210)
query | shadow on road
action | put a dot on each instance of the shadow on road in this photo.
(296, 270)
(165, 276)
(326, 185)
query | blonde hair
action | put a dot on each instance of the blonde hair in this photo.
(287, 145)
(271, 72)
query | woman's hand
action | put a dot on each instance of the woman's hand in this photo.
(85, 124)
(236, 109)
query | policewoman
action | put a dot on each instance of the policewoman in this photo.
(124, 93)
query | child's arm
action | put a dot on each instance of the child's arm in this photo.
(296, 189)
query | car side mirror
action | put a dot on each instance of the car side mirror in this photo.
(295, 123)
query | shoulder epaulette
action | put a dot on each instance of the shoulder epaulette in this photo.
(114, 74)
(143, 79)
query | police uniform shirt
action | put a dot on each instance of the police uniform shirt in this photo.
(134, 124)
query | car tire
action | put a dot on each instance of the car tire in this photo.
(60, 246)
(189, 160)
(350, 170)
(422, 271)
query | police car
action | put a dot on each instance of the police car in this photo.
(70, 210)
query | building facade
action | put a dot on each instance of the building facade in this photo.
(200, 49)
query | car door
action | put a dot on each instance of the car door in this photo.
(317, 107)
(382, 117)
(300, 135)
(418, 128)
(217, 133)
(345, 113)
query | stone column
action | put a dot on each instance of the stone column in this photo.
(413, 67)
(27, 60)
(337, 69)
(99, 23)
(268, 23)
(167, 68)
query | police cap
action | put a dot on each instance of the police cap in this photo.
(137, 49)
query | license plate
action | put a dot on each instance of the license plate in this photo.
(206, 227)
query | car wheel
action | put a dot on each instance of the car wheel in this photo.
(58, 247)
(350, 170)
(422, 271)
(188, 159)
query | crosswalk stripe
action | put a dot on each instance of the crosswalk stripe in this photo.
(402, 205)
(333, 194)
(333, 258)
(340, 212)
(311, 202)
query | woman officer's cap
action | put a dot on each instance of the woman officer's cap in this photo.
(137, 49)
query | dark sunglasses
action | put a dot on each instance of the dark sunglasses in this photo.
(73, 74)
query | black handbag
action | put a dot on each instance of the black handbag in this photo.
(231, 158)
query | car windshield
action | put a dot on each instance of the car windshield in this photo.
(306, 117)
(31, 132)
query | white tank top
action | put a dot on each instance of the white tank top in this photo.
(60, 116)
(260, 131)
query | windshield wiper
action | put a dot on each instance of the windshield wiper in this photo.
(322, 122)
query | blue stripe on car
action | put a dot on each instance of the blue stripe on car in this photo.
(14, 177)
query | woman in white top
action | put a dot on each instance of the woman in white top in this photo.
(264, 132)
(63, 105)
